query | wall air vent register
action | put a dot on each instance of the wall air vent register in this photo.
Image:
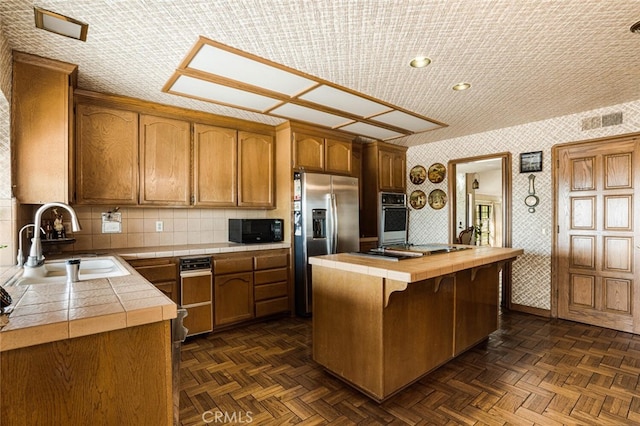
(217, 73)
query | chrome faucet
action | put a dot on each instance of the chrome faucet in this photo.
(20, 255)
(36, 258)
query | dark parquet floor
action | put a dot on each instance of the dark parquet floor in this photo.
(532, 371)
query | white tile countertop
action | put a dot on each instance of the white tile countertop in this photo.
(48, 312)
(45, 313)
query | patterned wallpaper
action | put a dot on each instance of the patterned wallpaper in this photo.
(6, 217)
(531, 231)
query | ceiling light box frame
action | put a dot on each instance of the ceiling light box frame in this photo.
(214, 72)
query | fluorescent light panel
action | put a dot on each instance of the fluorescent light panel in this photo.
(224, 75)
(406, 121)
(310, 115)
(365, 129)
(216, 61)
(343, 101)
(218, 93)
(60, 24)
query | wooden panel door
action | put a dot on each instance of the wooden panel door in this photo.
(215, 166)
(338, 156)
(165, 163)
(256, 155)
(106, 155)
(233, 298)
(308, 152)
(598, 219)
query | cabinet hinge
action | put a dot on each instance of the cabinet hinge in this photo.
(558, 231)
(193, 199)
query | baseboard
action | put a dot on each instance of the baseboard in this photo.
(531, 310)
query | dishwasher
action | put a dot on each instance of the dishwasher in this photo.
(196, 293)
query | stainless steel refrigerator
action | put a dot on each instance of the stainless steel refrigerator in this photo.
(326, 221)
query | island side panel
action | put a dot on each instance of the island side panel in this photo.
(418, 332)
(347, 326)
(476, 308)
(117, 377)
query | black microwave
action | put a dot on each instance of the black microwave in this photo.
(249, 231)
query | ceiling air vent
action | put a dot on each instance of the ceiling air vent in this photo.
(612, 119)
(598, 121)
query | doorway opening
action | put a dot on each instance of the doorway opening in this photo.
(480, 193)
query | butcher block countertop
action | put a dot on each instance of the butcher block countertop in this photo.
(420, 268)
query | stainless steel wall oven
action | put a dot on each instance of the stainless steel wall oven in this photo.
(394, 218)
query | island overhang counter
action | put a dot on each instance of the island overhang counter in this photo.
(382, 325)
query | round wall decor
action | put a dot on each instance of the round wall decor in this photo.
(437, 199)
(418, 199)
(417, 175)
(437, 172)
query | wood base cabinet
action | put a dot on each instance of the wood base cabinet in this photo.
(120, 377)
(233, 283)
(162, 273)
(271, 284)
(251, 285)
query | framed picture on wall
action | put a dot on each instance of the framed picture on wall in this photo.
(531, 162)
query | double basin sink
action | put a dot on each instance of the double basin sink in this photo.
(56, 271)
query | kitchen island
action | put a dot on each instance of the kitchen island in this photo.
(381, 325)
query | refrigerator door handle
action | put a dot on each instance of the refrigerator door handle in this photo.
(329, 224)
(334, 224)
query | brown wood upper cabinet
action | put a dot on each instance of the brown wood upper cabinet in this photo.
(256, 181)
(165, 166)
(41, 125)
(215, 166)
(233, 168)
(106, 155)
(385, 167)
(320, 154)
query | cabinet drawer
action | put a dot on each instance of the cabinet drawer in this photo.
(273, 306)
(196, 289)
(270, 291)
(199, 319)
(158, 273)
(270, 276)
(269, 262)
(233, 265)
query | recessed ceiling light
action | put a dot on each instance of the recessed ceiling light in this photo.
(635, 28)
(60, 24)
(461, 86)
(420, 62)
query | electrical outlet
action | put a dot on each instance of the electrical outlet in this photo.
(159, 226)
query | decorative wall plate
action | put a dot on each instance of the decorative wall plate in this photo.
(417, 175)
(437, 199)
(437, 172)
(418, 199)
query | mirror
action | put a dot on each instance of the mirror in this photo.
(480, 197)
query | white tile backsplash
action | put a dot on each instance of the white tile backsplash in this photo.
(181, 226)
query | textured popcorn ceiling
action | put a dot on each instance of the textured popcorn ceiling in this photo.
(526, 60)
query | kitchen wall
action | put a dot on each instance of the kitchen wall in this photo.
(6, 210)
(180, 226)
(531, 231)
